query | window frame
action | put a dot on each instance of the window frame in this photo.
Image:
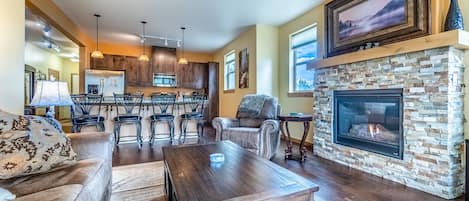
(226, 73)
(292, 60)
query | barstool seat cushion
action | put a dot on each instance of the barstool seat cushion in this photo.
(127, 118)
(168, 117)
(192, 115)
(89, 119)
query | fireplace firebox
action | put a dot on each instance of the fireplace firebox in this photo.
(370, 120)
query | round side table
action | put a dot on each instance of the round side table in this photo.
(284, 120)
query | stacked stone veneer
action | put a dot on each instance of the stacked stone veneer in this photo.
(433, 117)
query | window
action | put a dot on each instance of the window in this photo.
(230, 70)
(303, 49)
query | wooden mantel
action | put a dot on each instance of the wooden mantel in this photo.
(457, 38)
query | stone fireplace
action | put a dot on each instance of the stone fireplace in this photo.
(370, 120)
(425, 135)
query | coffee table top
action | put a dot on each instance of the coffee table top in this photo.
(243, 175)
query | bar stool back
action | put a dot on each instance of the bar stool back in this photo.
(163, 111)
(194, 107)
(129, 111)
(84, 113)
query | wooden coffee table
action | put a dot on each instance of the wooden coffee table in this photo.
(189, 175)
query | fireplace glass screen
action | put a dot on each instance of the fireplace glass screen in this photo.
(370, 120)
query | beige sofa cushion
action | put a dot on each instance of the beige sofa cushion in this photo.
(81, 174)
(248, 138)
(31, 145)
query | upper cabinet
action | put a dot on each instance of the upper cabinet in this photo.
(107, 63)
(192, 75)
(164, 60)
(138, 73)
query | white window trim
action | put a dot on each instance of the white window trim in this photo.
(291, 64)
(225, 73)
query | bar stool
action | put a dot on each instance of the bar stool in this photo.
(82, 112)
(163, 108)
(194, 106)
(126, 104)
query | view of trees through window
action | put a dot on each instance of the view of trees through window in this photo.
(303, 50)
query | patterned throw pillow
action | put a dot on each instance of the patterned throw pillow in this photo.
(31, 145)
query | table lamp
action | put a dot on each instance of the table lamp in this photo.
(50, 94)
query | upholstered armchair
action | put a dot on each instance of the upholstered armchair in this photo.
(255, 127)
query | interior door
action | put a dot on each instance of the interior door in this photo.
(29, 87)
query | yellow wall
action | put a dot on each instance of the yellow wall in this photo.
(267, 60)
(229, 101)
(297, 104)
(68, 67)
(41, 59)
(12, 20)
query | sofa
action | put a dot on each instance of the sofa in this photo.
(255, 127)
(88, 180)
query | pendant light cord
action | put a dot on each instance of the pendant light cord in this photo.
(143, 36)
(183, 30)
(97, 28)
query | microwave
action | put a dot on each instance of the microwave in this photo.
(164, 80)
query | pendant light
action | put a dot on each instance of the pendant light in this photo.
(143, 57)
(183, 60)
(97, 54)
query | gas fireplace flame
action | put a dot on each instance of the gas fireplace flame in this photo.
(373, 129)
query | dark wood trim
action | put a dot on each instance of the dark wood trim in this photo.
(229, 91)
(301, 94)
(36, 10)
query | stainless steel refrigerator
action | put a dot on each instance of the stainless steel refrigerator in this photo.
(104, 82)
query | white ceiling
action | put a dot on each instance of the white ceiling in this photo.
(210, 23)
(35, 28)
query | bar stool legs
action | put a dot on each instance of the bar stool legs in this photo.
(117, 133)
(153, 129)
(183, 128)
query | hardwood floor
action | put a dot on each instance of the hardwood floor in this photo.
(336, 182)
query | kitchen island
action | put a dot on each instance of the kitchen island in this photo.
(128, 132)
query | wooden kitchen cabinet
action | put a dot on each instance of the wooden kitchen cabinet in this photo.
(120, 62)
(164, 60)
(132, 71)
(106, 63)
(145, 74)
(192, 75)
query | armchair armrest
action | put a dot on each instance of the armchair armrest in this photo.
(92, 145)
(221, 123)
(270, 134)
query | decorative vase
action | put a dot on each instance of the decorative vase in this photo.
(454, 18)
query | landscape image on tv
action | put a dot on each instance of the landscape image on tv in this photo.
(369, 16)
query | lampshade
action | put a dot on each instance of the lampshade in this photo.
(97, 54)
(51, 93)
(183, 61)
(143, 57)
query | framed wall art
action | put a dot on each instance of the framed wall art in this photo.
(353, 23)
(244, 69)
